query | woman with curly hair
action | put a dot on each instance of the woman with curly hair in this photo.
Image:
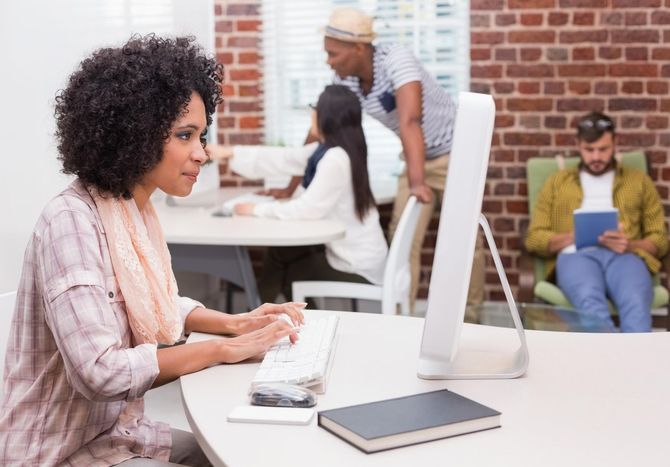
(97, 293)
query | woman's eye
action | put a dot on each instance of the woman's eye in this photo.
(184, 135)
(203, 141)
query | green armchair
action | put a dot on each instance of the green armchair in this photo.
(532, 285)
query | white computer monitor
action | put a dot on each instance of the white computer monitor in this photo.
(440, 355)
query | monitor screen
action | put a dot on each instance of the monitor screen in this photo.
(456, 237)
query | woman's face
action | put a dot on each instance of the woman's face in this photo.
(183, 153)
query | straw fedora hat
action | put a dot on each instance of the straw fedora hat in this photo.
(350, 25)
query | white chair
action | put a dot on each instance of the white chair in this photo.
(7, 301)
(394, 290)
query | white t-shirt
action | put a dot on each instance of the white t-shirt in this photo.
(330, 195)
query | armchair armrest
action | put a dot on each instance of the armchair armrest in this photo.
(526, 269)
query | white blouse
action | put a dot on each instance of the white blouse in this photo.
(363, 249)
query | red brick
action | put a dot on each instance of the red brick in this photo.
(225, 58)
(486, 71)
(244, 9)
(244, 74)
(556, 54)
(492, 207)
(504, 224)
(660, 17)
(239, 106)
(480, 20)
(246, 138)
(515, 172)
(583, 3)
(503, 87)
(486, 4)
(566, 139)
(228, 90)
(574, 37)
(636, 3)
(532, 37)
(530, 71)
(637, 54)
(657, 122)
(504, 121)
(609, 53)
(503, 189)
(661, 53)
(244, 42)
(249, 91)
(530, 55)
(582, 70)
(505, 19)
(583, 19)
(635, 18)
(530, 122)
(611, 18)
(636, 140)
(480, 87)
(223, 26)
(529, 104)
(555, 122)
(637, 70)
(665, 105)
(632, 87)
(516, 207)
(554, 87)
(248, 58)
(628, 36)
(218, 10)
(636, 104)
(487, 38)
(251, 123)
(531, 19)
(226, 122)
(503, 155)
(248, 25)
(530, 4)
(480, 54)
(665, 71)
(658, 87)
(578, 104)
(630, 122)
(606, 87)
(505, 55)
(583, 53)
(527, 139)
(529, 87)
(579, 87)
(557, 19)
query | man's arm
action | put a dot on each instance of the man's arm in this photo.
(408, 105)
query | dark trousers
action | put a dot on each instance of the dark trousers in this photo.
(284, 265)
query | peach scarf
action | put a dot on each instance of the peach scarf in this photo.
(142, 267)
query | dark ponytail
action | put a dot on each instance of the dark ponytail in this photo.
(339, 122)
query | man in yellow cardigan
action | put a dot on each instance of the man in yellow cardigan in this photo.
(621, 267)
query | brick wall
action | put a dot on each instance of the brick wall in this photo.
(546, 62)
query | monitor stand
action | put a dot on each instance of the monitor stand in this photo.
(472, 363)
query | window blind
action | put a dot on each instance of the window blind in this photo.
(295, 69)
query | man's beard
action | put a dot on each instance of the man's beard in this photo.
(599, 167)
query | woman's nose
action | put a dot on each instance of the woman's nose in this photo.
(199, 155)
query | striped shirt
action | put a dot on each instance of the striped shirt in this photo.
(393, 67)
(633, 194)
(74, 381)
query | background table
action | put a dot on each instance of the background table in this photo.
(201, 242)
(587, 399)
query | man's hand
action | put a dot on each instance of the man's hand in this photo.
(244, 209)
(422, 192)
(219, 152)
(615, 240)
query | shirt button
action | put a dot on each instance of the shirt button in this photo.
(110, 294)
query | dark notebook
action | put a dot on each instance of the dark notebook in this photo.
(590, 224)
(393, 423)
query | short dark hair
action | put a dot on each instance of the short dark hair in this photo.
(593, 126)
(339, 117)
(115, 115)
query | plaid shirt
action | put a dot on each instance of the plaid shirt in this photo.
(73, 380)
(633, 193)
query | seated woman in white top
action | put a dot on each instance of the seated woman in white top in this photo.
(335, 186)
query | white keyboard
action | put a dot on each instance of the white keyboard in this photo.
(304, 363)
(254, 198)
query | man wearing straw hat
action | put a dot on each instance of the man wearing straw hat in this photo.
(395, 88)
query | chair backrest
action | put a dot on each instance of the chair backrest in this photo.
(397, 275)
(7, 301)
(539, 169)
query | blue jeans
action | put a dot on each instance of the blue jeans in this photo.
(592, 275)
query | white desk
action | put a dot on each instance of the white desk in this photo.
(587, 399)
(201, 242)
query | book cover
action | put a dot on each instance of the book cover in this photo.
(403, 421)
(591, 224)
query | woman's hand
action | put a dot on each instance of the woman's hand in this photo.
(255, 343)
(219, 152)
(244, 209)
(267, 314)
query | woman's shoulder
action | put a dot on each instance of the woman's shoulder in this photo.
(74, 199)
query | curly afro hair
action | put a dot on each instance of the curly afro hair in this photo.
(115, 115)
